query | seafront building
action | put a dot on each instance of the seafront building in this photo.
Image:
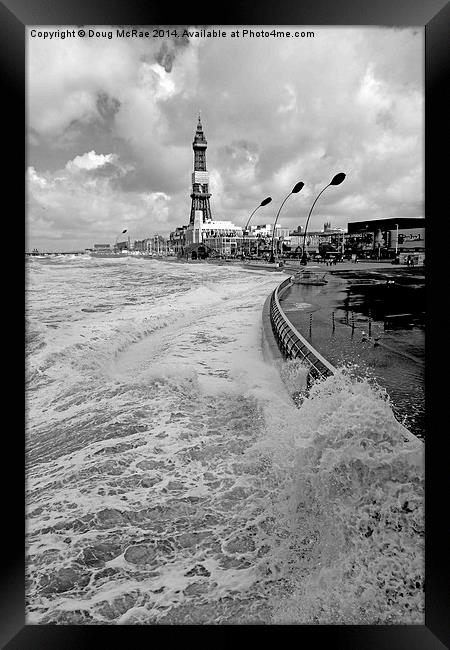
(102, 248)
(387, 238)
(375, 239)
(317, 242)
(265, 230)
(177, 240)
(122, 246)
(154, 245)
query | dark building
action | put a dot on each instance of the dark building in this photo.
(177, 239)
(386, 238)
(385, 224)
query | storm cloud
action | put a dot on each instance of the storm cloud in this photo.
(275, 111)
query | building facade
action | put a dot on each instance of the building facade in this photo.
(142, 245)
(122, 245)
(154, 245)
(177, 240)
(317, 242)
(388, 238)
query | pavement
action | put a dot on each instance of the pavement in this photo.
(345, 266)
(293, 266)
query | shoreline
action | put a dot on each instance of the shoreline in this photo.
(289, 266)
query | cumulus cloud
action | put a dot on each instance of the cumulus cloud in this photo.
(275, 111)
(73, 206)
(90, 160)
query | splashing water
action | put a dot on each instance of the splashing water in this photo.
(351, 513)
(294, 375)
(172, 479)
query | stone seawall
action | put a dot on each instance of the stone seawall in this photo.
(271, 351)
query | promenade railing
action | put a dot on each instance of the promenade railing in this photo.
(291, 343)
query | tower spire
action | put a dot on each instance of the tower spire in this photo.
(200, 177)
(199, 135)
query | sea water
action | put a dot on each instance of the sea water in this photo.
(170, 476)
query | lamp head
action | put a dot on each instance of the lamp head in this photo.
(337, 180)
(266, 201)
(297, 188)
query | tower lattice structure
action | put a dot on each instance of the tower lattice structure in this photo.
(200, 178)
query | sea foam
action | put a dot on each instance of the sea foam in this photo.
(171, 477)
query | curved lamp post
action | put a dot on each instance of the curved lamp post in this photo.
(294, 190)
(120, 233)
(336, 180)
(265, 202)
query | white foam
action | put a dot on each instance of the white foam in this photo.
(153, 416)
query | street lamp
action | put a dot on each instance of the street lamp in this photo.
(263, 203)
(295, 189)
(336, 180)
(396, 240)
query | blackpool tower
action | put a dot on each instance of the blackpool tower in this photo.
(200, 177)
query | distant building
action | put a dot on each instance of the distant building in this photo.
(154, 245)
(201, 230)
(158, 245)
(260, 239)
(142, 245)
(266, 230)
(198, 251)
(386, 224)
(223, 245)
(317, 242)
(177, 240)
(385, 238)
(297, 232)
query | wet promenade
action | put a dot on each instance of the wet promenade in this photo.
(371, 317)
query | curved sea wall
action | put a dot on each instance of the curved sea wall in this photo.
(291, 344)
(282, 341)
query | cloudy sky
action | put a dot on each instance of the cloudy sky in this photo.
(111, 121)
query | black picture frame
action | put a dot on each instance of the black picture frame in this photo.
(434, 16)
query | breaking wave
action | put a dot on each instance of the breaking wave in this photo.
(350, 519)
